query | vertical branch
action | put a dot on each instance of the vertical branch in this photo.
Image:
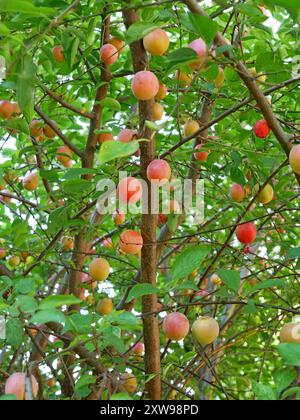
(149, 223)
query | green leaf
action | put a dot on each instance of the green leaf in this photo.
(77, 172)
(76, 186)
(111, 150)
(292, 391)
(232, 279)
(189, 261)
(284, 377)
(4, 29)
(48, 315)
(292, 6)
(110, 103)
(25, 87)
(57, 301)
(121, 396)
(8, 397)
(141, 290)
(290, 353)
(14, 332)
(74, 50)
(138, 31)
(264, 392)
(179, 58)
(26, 7)
(203, 26)
(293, 253)
(19, 125)
(25, 286)
(268, 284)
(26, 304)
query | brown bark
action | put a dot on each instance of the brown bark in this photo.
(148, 230)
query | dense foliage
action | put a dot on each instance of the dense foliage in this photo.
(80, 336)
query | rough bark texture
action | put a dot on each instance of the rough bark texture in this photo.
(148, 230)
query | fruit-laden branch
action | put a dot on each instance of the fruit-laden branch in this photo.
(253, 87)
(65, 104)
(55, 128)
(149, 223)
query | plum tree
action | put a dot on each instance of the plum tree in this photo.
(131, 242)
(14, 261)
(159, 170)
(103, 137)
(49, 132)
(295, 159)
(67, 243)
(237, 193)
(99, 269)
(31, 181)
(16, 385)
(261, 129)
(145, 85)
(246, 233)
(37, 129)
(176, 326)
(290, 333)
(157, 42)
(129, 190)
(58, 53)
(118, 43)
(108, 54)
(205, 330)
(105, 306)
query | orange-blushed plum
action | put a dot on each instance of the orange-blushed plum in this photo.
(130, 190)
(118, 43)
(205, 330)
(295, 159)
(49, 132)
(129, 382)
(2, 253)
(108, 244)
(67, 243)
(6, 109)
(290, 333)
(145, 85)
(58, 53)
(190, 128)
(99, 269)
(266, 195)
(138, 349)
(36, 128)
(157, 42)
(176, 326)
(201, 156)
(162, 92)
(184, 79)
(108, 54)
(131, 242)
(159, 170)
(246, 233)
(261, 129)
(105, 306)
(157, 112)
(16, 385)
(64, 155)
(103, 137)
(118, 217)
(14, 261)
(31, 181)
(5, 199)
(16, 108)
(199, 46)
(237, 193)
(127, 135)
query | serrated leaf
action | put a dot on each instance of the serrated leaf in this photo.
(189, 261)
(264, 392)
(14, 332)
(142, 289)
(284, 377)
(232, 279)
(111, 150)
